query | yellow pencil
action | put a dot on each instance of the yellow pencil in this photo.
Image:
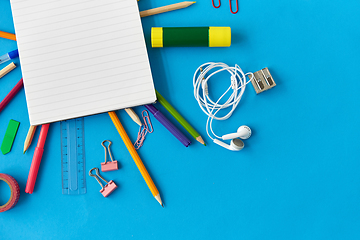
(29, 137)
(7, 35)
(135, 156)
(167, 8)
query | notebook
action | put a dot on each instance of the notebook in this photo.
(81, 57)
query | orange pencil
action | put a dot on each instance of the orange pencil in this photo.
(7, 35)
(135, 156)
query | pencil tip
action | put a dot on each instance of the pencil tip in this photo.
(24, 151)
(200, 140)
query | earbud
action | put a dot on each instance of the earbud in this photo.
(243, 132)
(235, 144)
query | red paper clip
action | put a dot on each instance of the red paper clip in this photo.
(237, 7)
(111, 165)
(231, 8)
(108, 188)
(216, 6)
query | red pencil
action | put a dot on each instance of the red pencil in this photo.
(37, 159)
(11, 94)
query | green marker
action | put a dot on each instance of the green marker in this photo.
(190, 37)
(179, 118)
(9, 136)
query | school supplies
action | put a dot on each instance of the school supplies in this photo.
(7, 35)
(7, 69)
(14, 192)
(262, 80)
(143, 130)
(35, 164)
(190, 37)
(168, 125)
(111, 165)
(29, 137)
(9, 137)
(8, 56)
(81, 58)
(11, 94)
(73, 176)
(108, 188)
(133, 116)
(179, 118)
(136, 157)
(167, 8)
(231, 7)
(212, 107)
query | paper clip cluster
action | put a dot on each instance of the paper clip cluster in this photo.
(143, 130)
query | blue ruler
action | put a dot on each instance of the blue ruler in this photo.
(73, 156)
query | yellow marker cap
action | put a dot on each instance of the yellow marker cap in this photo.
(219, 36)
(157, 37)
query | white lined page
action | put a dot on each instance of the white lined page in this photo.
(81, 57)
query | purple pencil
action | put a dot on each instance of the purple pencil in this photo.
(169, 126)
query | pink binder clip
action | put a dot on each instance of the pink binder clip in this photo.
(108, 188)
(111, 165)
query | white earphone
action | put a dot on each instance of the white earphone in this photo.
(235, 145)
(211, 108)
(243, 132)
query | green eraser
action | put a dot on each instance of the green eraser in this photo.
(9, 136)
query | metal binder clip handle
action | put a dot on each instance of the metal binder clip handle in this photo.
(111, 165)
(108, 188)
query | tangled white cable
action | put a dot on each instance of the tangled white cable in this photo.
(208, 106)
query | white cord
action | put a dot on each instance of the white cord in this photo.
(201, 93)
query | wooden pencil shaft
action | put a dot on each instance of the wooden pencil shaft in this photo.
(133, 153)
(176, 115)
(133, 116)
(7, 35)
(29, 137)
(7, 69)
(167, 8)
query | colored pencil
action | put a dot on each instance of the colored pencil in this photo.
(135, 156)
(7, 35)
(11, 94)
(167, 8)
(179, 118)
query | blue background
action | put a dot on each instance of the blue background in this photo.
(297, 177)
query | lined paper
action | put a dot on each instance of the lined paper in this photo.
(81, 57)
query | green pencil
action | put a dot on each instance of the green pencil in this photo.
(179, 118)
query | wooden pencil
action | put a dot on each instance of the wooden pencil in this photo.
(133, 116)
(167, 8)
(7, 69)
(135, 157)
(29, 137)
(7, 35)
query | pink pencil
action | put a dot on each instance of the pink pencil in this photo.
(11, 94)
